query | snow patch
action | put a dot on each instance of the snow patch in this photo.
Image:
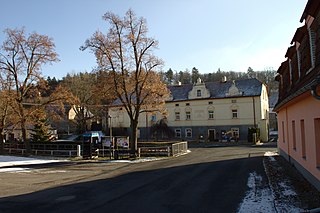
(11, 170)
(270, 154)
(141, 160)
(286, 190)
(258, 198)
(6, 161)
(282, 192)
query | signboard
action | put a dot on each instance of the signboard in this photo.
(106, 141)
(123, 142)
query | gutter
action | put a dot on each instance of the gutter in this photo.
(310, 86)
(314, 88)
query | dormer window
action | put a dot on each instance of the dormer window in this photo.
(198, 93)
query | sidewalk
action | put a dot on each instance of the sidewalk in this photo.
(289, 187)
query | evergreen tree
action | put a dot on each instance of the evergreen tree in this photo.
(41, 131)
(195, 75)
(169, 76)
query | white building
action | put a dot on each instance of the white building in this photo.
(210, 110)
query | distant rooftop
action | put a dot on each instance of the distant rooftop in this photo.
(247, 88)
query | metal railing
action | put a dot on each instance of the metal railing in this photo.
(179, 148)
(58, 153)
(74, 150)
(154, 151)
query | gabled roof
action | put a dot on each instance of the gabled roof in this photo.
(299, 34)
(247, 87)
(311, 9)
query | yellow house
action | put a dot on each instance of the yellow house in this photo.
(210, 111)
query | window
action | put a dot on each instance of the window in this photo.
(178, 133)
(187, 104)
(303, 139)
(283, 133)
(312, 40)
(317, 140)
(177, 104)
(189, 133)
(198, 93)
(234, 113)
(210, 103)
(235, 133)
(211, 114)
(233, 101)
(299, 63)
(153, 118)
(188, 115)
(177, 116)
(294, 142)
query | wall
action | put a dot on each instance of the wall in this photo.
(200, 122)
(301, 144)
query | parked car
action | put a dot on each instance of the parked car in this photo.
(273, 136)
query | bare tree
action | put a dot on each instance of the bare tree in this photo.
(127, 53)
(5, 110)
(82, 86)
(22, 57)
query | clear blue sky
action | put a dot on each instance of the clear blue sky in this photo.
(206, 34)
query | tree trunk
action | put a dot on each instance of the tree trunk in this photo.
(24, 130)
(24, 137)
(133, 137)
(1, 141)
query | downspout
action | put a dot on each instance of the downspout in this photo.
(314, 89)
(287, 135)
(254, 113)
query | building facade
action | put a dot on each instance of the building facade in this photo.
(211, 111)
(298, 106)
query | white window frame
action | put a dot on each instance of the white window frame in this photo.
(210, 114)
(199, 93)
(188, 115)
(299, 64)
(290, 71)
(177, 133)
(312, 44)
(234, 113)
(177, 116)
(235, 132)
(188, 132)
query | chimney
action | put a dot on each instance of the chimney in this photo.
(224, 79)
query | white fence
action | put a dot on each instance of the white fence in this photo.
(74, 150)
(179, 148)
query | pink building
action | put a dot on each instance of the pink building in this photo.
(298, 107)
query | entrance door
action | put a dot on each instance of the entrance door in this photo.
(211, 134)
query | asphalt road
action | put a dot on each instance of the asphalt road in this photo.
(205, 180)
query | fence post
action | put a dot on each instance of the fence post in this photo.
(78, 150)
(139, 152)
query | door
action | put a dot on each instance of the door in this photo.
(211, 134)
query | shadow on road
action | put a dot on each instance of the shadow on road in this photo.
(206, 187)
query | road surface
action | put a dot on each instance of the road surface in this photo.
(206, 180)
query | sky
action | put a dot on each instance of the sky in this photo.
(207, 34)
